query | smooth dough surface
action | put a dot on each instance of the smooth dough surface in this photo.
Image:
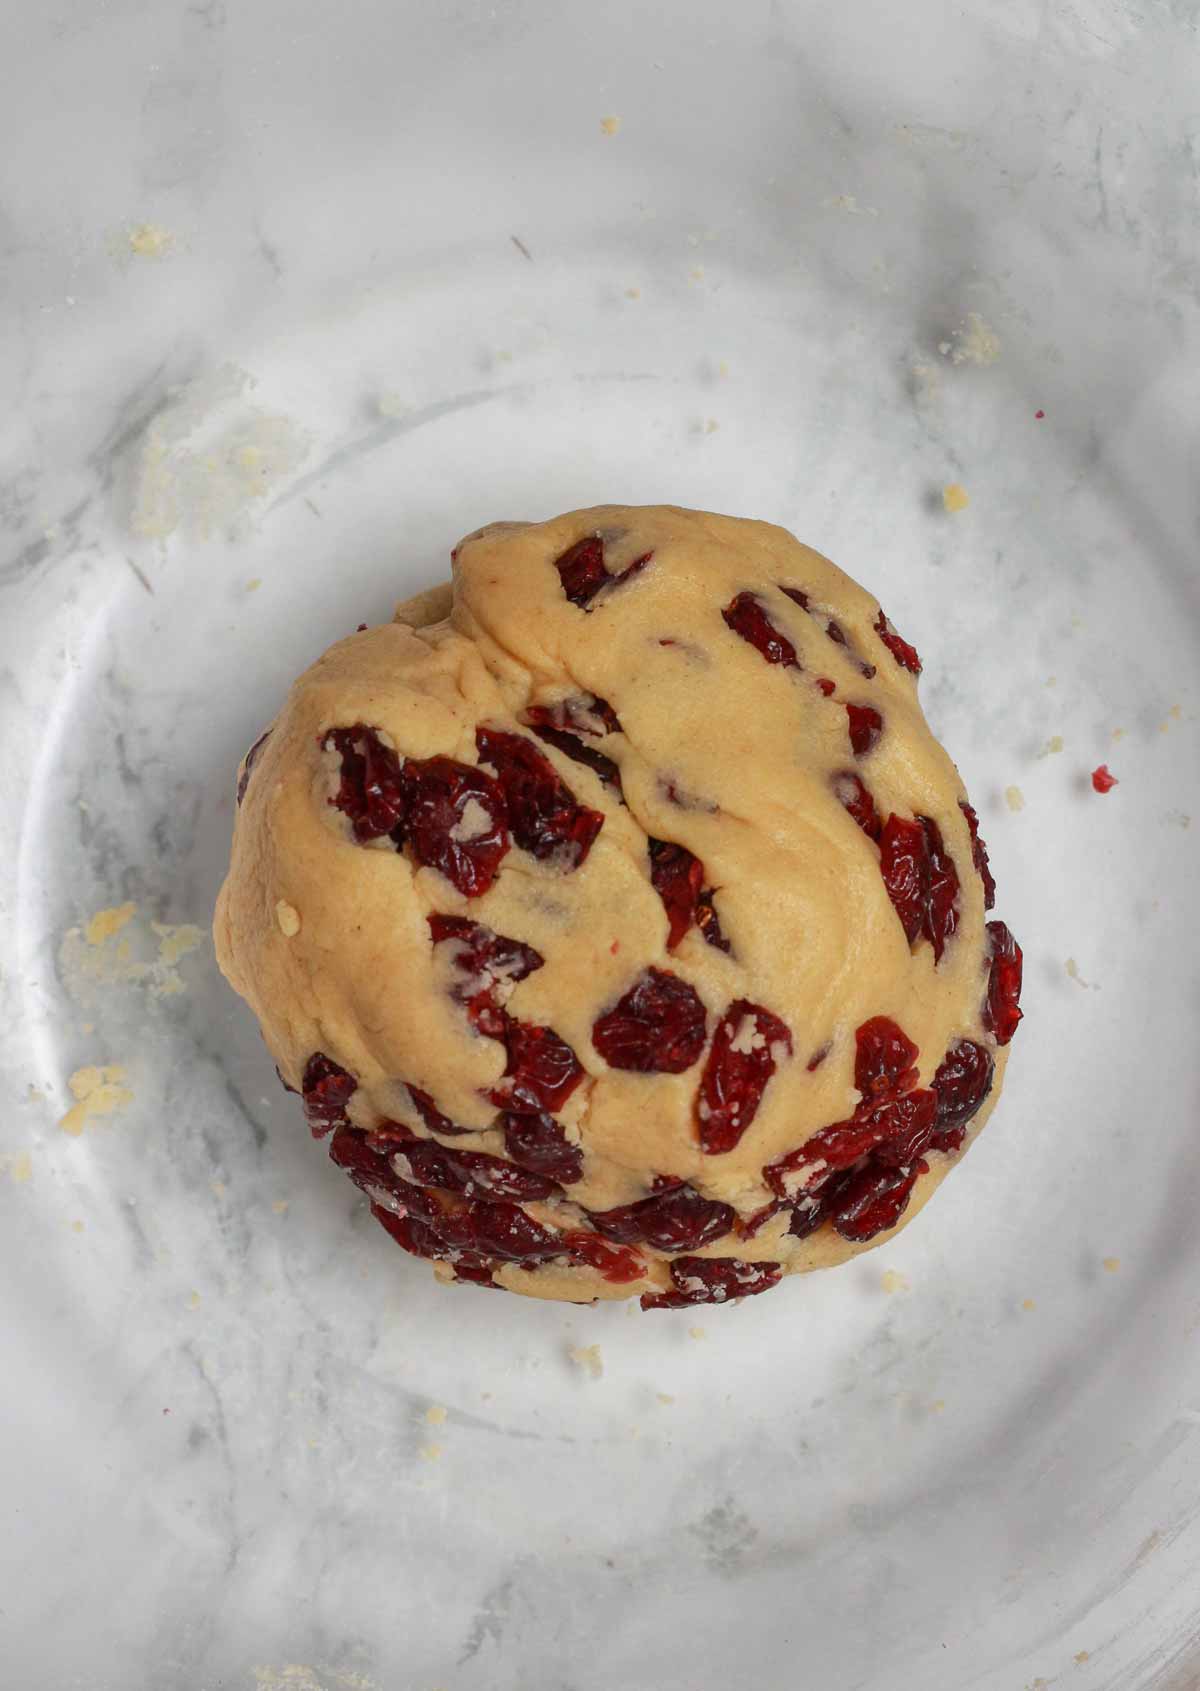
(719, 751)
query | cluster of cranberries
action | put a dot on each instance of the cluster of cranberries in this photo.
(466, 1207)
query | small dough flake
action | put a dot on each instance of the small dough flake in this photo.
(105, 923)
(955, 497)
(588, 1357)
(609, 125)
(288, 918)
(1014, 798)
(98, 1090)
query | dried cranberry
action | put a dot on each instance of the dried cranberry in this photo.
(373, 1174)
(826, 687)
(538, 1143)
(873, 1199)
(476, 1174)
(713, 1280)
(574, 748)
(1001, 1011)
(748, 1044)
(542, 1070)
(838, 1146)
(962, 1082)
(657, 1027)
(496, 1229)
(747, 616)
(420, 1240)
(709, 922)
(582, 571)
(866, 725)
(676, 1220)
(883, 1059)
(858, 801)
(429, 1113)
(327, 1089)
(488, 964)
(456, 820)
(904, 654)
(545, 817)
(615, 1262)
(838, 636)
(796, 594)
(979, 855)
(920, 878)
(578, 714)
(677, 878)
(371, 789)
(940, 921)
(248, 763)
(1103, 780)
(906, 1126)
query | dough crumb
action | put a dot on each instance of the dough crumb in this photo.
(288, 917)
(587, 1356)
(1053, 744)
(390, 405)
(1118, 733)
(17, 1165)
(848, 203)
(150, 240)
(98, 1091)
(1111, 1264)
(697, 1332)
(633, 293)
(105, 923)
(430, 1452)
(892, 1280)
(1028, 1304)
(610, 125)
(1072, 968)
(77, 1227)
(664, 1397)
(194, 1301)
(955, 496)
(1014, 798)
(280, 1206)
(435, 1414)
(1082, 1656)
(975, 343)
(937, 1406)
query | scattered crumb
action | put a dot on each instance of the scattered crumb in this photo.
(1053, 744)
(253, 585)
(937, 1406)
(893, 1281)
(1082, 1656)
(175, 940)
(1014, 798)
(1072, 968)
(633, 293)
(194, 1301)
(975, 343)
(1164, 727)
(723, 370)
(1052, 681)
(77, 1227)
(150, 240)
(390, 404)
(17, 1165)
(1029, 1305)
(218, 1188)
(610, 125)
(711, 425)
(1176, 711)
(288, 918)
(1118, 733)
(848, 203)
(430, 1452)
(105, 923)
(1111, 1264)
(35, 1094)
(435, 1414)
(697, 1332)
(664, 1397)
(98, 1091)
(280, 1206)
(697, 273)
(955, 496)
(587, 1356)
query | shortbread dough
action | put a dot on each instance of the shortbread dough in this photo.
(618, 916)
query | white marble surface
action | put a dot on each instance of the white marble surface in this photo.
(216, 1467)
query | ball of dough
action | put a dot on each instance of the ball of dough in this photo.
(618, 916)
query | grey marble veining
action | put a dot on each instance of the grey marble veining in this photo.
(291, 299)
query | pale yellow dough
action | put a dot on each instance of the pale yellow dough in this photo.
(751, 748)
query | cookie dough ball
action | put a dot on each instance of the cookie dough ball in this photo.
(618, 916)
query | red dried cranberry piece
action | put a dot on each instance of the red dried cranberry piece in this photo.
(796, 594)
(838, 636)
(1001, 1011)
(327, 1089)
(858, 801)
(962, 1082)
(747, 616)
(582, 571)
(545, 817)
(677, 878)
(248, 763)
(419, 1240)
(676, 1220)
(883, 1059)
(827, 687)
(488, 963)
(615, 1262)
(941, 906)
(429, 1113)
(574, 748)
(373, 1174)
(904, 654)
(866, 725)
(979, 855)
(371, 789)
(748, 1044)
(873, 1199)
(907, 1127)
(709, 923)
(838, 1146)
(538, 1143)
(904, 864)
(1103, 780)
(657, 1027)
(476, 1174)
(713, 1280)
(496, 1229)
(542, 1070)
(445, 833)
